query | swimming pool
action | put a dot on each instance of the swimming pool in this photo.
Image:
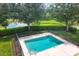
(47, 44)
(17, 24)
(42, 43)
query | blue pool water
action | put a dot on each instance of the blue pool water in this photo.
(17, 24)
(42, 43)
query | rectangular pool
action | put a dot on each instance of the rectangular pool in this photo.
(42, 43)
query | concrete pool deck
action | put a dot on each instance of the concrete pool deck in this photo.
(65, 49)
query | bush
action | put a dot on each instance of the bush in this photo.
(32, 28)
(12, 30)
(39, 28)
(73, 29)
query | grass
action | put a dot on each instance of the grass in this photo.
(6, 46)
(48, 23)
(42, 23)
(1, 27)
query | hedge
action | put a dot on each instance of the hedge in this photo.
(38, 28)
(32, 28)
(73, 29)
(12, 30)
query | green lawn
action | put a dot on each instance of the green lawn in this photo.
(1, 27)
(43, 23)
(48, 23)
(6, 46)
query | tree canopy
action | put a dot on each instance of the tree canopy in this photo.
(28, 12)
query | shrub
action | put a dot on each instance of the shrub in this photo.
(72, 29)
(38, 28)
(12, 30)
(32, 28)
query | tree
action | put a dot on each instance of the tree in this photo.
(66, 12)
(31, 12)
(3, 14)
(27, 12)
